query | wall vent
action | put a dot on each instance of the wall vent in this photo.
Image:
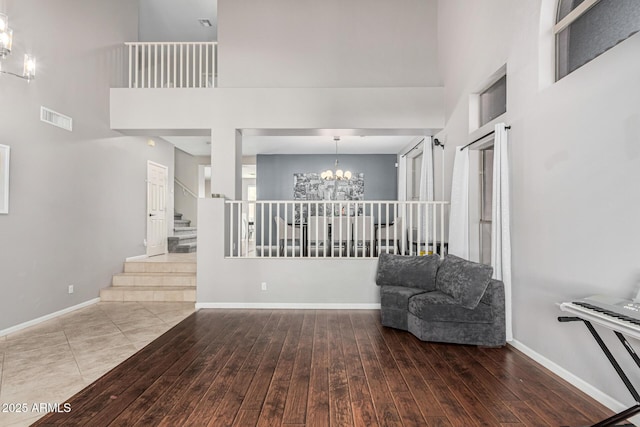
(56, 119)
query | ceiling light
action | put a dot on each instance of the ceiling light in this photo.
(205, 22)
(338, 174)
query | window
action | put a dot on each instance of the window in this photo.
(493, 101)
(486, 200)
(489, 101)
(587, 28)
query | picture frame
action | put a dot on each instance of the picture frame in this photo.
(4, 178)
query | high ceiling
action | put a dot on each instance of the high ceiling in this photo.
(177, 21)
(171, 20)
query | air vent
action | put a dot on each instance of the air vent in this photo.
(56, 119)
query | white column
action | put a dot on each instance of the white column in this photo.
(226, 163)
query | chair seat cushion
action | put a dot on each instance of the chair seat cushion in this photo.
(397, 297)
(440, 307)
(465, 281)
(409, 271)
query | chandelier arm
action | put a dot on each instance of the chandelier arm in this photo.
(14, 74)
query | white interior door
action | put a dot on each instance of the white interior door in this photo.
(157, 181)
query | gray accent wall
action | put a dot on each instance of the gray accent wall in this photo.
(274, 178)
(274, 173)
(77, 199)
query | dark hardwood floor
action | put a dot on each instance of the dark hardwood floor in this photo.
(321, 368)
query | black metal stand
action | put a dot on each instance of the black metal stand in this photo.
(611, 421)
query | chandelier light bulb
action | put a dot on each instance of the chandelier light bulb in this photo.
(6, 40)
(29, 71)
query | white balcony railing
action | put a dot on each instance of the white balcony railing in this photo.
(334, 229)
(172, 65)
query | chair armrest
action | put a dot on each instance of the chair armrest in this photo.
(494, 295)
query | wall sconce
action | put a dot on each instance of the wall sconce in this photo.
(6, 42)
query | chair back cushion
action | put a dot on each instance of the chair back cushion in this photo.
(409, 271)
(464, 280)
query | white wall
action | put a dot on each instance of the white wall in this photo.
(268, 108)
(237, 282)
(575, 156)
(329, 43)
(78, 199)
(224, 111)
(379, 73)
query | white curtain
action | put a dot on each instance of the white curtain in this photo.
(426, 171)
(459, 215)
(426, 184)
(500, 215)
(402, 178)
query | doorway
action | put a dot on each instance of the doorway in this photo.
(157, 181)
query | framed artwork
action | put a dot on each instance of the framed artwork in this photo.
(4, 179)
(310, 186)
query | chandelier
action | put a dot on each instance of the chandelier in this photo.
(338, 174)
(6, 42)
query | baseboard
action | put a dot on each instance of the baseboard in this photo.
(136, 258)
(34, 322)
(577, 382)
(291, 306)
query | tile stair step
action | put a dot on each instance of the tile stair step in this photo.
(186, 248)
(149, 293)
(160, 267)
(177, 216)
(177, 231)
(154, 279)
(181, 222)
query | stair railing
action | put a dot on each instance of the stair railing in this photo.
(185, 189)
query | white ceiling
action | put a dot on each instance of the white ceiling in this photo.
(253, 145)
(177, 21)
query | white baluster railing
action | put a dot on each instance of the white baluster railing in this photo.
(335, 229)
(171, 65)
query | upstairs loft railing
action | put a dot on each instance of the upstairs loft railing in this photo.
(171, 65)
(334, 229)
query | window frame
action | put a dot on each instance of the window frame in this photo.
(573, 15)
(562, 25)
(486, 92)
(565, 23)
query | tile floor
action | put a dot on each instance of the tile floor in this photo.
(52, 361)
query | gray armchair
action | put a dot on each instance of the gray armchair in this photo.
(453, 300)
